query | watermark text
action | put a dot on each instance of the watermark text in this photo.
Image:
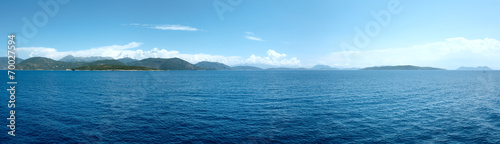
(11, 60)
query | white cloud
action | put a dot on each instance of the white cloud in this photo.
(274, 55)
(26, 52)
(105, 51)
(451, 54)
(253, 38)
(175, 27)
(166, 27)
(273, 58)
(120, 51)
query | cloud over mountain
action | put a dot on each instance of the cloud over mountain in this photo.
(121, 51)
(273, 58)
(450, 53)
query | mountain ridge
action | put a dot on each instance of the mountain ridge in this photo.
(4, 62)
(323, 67)
(213, 65)
(245, 68)
(41, 63)
(474, 68)
(401, 67)
(71, 58)
(166, 64)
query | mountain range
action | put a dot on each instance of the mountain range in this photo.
(71, 58)
(213, 65)
(107, 63)
(4, 62)
(475, 68)
(401, 67)
(41, 63)
(246, 68)
(103, 63)
(166, 64)
(323, 67)
(127, 60)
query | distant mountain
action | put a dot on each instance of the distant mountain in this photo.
(111, 67)
(401, 67)
(70, 58)
(262, 66)
(41, 63)
(245, 68)
(284, 68)
(323, 67)
(475, 68)
(349, 68)
(212, 65)
(166, 64)
(127, 60)
(106, 62)
(4, 62)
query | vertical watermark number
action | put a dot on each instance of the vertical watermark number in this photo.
(11, 83)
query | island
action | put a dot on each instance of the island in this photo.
(401, 67)
(113, 68)
(245, 68)
(481, 68)
(323, 67)
(213, 65)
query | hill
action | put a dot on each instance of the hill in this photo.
(127, 60)
(70, 58)
(401, 67)
(4, 62)
(106, 62)
(323, 67)
(166, 64)
(112, 67)
(41, 63)
(475, 68)
(245, 68)
(212, 65)
(352, 68)
(284, 68)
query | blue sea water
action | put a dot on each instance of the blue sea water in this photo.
(255, 107)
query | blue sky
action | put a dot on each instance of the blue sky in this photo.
(297, 33)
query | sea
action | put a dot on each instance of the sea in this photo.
(253, 107)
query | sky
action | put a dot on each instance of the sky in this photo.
(278, 33)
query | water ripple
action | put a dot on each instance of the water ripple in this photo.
(258, 107)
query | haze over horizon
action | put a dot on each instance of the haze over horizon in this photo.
(444, 34)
